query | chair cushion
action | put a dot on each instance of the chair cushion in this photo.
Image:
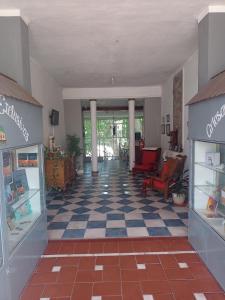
(158, 184)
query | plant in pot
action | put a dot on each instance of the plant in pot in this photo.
(73, 147)
(179, 189)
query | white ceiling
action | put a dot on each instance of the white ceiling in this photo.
(84, 43)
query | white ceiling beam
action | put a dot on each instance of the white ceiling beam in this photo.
(211, 9)
(13, 13)
(112, 92)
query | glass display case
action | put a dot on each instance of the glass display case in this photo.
(209, 184)
(23, 219)
(22, 191)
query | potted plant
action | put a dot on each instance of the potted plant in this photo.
(179, 189)
(73, 148)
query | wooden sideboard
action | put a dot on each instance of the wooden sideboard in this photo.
(59, 172)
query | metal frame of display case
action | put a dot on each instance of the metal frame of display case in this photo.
(20, 127)
(204, 238)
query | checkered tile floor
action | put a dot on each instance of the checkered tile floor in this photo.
(112, 205)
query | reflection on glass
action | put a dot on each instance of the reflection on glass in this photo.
(22, 191)
(209, 184)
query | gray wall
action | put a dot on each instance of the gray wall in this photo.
(14, 56)
(211, 46)
(74, 122)
(152, 121)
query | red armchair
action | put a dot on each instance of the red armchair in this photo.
(164, 180)
(150, 160)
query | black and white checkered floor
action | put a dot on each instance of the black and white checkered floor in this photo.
(112, 205)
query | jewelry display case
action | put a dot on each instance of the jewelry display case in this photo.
(23, 224)
(207, 182)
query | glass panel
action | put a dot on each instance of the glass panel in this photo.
(209, 184)
(112, 135)
(22, 191)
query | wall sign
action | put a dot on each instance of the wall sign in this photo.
(211, 126)
(9, 111)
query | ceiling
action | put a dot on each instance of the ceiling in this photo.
(100, 43)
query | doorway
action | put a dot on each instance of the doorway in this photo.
(112, 134)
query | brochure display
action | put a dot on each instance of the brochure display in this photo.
(207, 184)
(23, 224)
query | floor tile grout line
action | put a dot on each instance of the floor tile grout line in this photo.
(117, 254)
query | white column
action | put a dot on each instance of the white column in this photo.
(94, 158)
(131, 109)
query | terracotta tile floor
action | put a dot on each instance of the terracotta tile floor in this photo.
(165, 275)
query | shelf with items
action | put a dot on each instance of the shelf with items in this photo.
(24, 198)
(213, 168)
(209, 184)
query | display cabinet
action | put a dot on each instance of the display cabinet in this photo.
(207, 181)
(23, 225)
(209, 184)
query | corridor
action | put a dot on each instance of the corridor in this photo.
(112, 205)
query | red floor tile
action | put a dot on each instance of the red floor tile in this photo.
(111, 247)
(82, 291)
(131, 290)
(215, 296)
(67, 275)
(120, 278)
(163, 297)
(168, 261)
(111, 273)
(155, 286)
(188, 258)
(68, 261)
(96, 247)
(58, 290)
(88, 276)
(52, 247)
(46, 264)
(178, 274)
(42, 278)
(32, 292)
(107, 260)
(128, 262)
(147, 259)
(112, 298)
(107, 289)
(87, 263)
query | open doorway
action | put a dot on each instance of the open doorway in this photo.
(112, 133)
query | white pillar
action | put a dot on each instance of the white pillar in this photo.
(131, 109)
(94, 158)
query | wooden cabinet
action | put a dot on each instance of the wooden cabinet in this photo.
(59, 172)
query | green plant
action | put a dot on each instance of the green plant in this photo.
(181, 185)
(73, 145)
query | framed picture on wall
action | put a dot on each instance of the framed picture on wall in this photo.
(167, 129)
(163, 129)
(167, 118)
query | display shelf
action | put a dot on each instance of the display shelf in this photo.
(213, 168)
(28, 195)
(215, 220)
(208, 190)
(21, 229)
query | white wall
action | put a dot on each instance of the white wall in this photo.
(167, 108)
(152, 121)
(74, 122)
(46, 90)
(190, 88)
(112, 92)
